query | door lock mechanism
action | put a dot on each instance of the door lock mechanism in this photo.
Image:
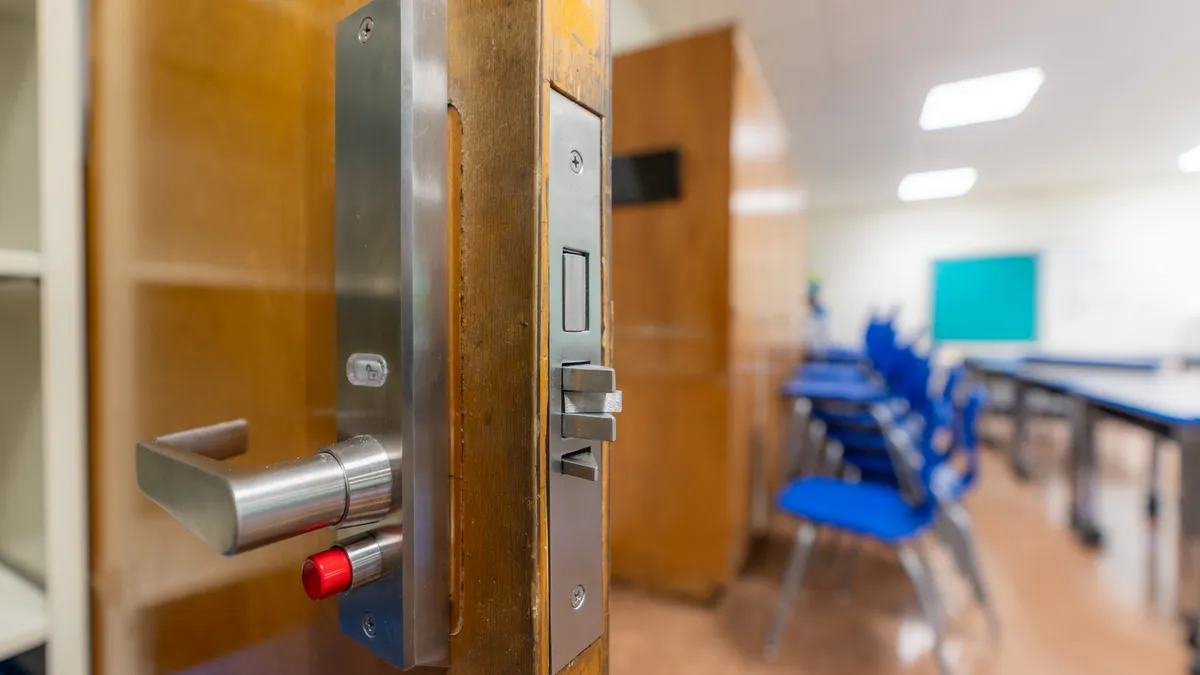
(390, 464)
(583, 393)
(590, 396)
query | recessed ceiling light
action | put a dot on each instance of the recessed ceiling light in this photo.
(1189, 161)
(980, 99)
(767, 201)
(916, 187)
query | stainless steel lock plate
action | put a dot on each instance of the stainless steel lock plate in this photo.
(392, 308)
(576, 492)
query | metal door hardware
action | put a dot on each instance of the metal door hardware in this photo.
(583, 393)
(591, 427)
(390, 463)
(235, 510)
(585, 377)
(352, 563)
(590, 395)
(581, 464)
(392, 310)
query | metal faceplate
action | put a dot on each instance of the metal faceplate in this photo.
(576, 546)
(392, 307)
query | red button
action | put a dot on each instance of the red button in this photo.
(326, 573)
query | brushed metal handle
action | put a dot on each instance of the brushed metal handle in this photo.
(236, 509)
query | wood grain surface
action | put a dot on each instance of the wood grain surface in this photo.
(708, 309)
(210, 285)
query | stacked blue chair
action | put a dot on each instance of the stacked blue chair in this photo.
(859, 438)
(912, 489)
(852, 364)
(841, 396)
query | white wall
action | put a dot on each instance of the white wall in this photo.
(1119, 270)
(632, 27)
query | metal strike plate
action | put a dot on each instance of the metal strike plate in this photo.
(392, 307)
(576, 545)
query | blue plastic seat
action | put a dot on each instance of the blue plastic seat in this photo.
(873, 466)
(857, 440)
(871, 510)
(904, 491)
(832, 371)
(858, 416)
(864, 393)
(835, 354)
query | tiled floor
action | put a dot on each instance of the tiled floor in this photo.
(1065, 609)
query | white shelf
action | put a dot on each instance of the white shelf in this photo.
(20, 264)
(22, 615)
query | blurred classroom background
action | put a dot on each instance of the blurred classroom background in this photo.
(1006, 187)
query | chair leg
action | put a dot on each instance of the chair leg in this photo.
(831, 463)
(792, 578)
(849, 568)
(913, 560)
(816, 452)
(955, 530)
(795, 437)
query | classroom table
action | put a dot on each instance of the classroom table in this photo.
(1165, 403)
(1045, 374)
(1168, 405)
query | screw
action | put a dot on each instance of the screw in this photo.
(365, 28)
(368, 625)
(577, 597)
(576, 161)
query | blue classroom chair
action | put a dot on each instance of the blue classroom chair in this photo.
(861, 440)
(841, 411)
(957, 411)
(924, 498)
(879, 341)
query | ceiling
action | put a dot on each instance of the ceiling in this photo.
(1120, 102)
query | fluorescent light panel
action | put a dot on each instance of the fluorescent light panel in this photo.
(767, 201)
(1189, 162)
(917, 187)
(980, 99)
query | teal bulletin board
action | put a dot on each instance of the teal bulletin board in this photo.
(985, 298)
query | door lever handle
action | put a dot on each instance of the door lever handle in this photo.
(236, 509)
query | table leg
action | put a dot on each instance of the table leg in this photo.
(974, 378)
(1188, 585)
(1020, 443)
(1152, 496)
(1084, 474)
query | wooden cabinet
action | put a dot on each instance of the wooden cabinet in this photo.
(708, 297)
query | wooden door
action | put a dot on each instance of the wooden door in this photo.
(210, 221)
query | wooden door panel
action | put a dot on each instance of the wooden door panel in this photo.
(211, 289)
